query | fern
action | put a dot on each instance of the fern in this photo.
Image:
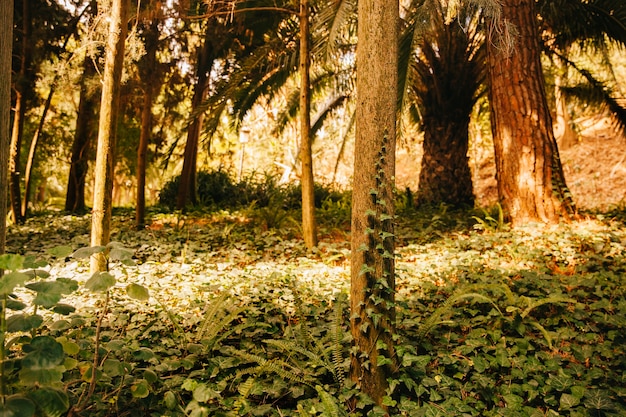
(448, 306)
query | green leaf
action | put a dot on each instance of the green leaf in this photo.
(568, 401)
(140, 389)
(64, 309)
(113, 367)
(138, 292)
(9, 281)
(143, 354)
(23, 322)
(17, 406)
(53, 402)
(60, 251)
(170, 400)
(100, 282)
(42, 363)
(119, 253)
(11, 262)
(84, 253)
(203, 393)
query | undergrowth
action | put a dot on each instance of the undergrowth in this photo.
(223, 317)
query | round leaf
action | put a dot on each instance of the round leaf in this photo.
(53, 402)
(138, 292)
(17, 406)
(100, 282)
(60, 251)
(140, 389)
(84, 253)
(11, 261)
(23, 322)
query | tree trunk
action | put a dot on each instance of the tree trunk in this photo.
(309, 227)
(187, 184)
(531, 185)
(22, 85)
(6, 45)
(372, 293)
(565, 134)
(109, 108)
(149, 69)
(445, 176)
(142, 151)
(79, 160)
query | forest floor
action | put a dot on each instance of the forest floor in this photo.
(237, 317)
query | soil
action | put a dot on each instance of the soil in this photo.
(594, 168)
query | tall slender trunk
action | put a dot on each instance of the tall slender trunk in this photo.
(6, 45)
(22, 85)
(531, 185)
(148, 75)
(144, 139)
(187, 185)
(107, 127)
(309, 227)
(79, 159)
(372, 292)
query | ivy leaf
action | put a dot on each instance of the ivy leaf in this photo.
(17, 406)
(203, 393)
(100, 282)
(11, 261)
(9, 281)
(138, 292)
(42, 363)
(53, 402)
(60, 251)
(140, 389)
(84, 253)
(23, 322)
(568, 401)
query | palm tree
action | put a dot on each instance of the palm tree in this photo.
(444, 65)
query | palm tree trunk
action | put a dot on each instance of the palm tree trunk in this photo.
(109, 108)
(6, 45)
(372, 292)
(309, 227)
(531, 185)
(445, 175)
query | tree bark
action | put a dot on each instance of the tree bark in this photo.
(445, 176)
(372, 293)
(109, 108)
(149, 67)
(187, 184)
(22, 85)
(79, 159)
(6, 45)
(531, 185)
(309, 227)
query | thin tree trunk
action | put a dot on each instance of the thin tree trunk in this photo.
(88, 102)
(148, 75)
(372, 293)
(109, 108)
(187, 184)
(30, 161)
(531, 185)
(309, 227)
(6, 45)
(144, 139)
(22, 84)
(565, 134)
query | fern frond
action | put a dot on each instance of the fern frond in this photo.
(553, 299)
(337, 332)
(331, 409)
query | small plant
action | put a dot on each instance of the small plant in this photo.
(490, 222)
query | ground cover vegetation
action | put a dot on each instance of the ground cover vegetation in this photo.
(214, 313)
